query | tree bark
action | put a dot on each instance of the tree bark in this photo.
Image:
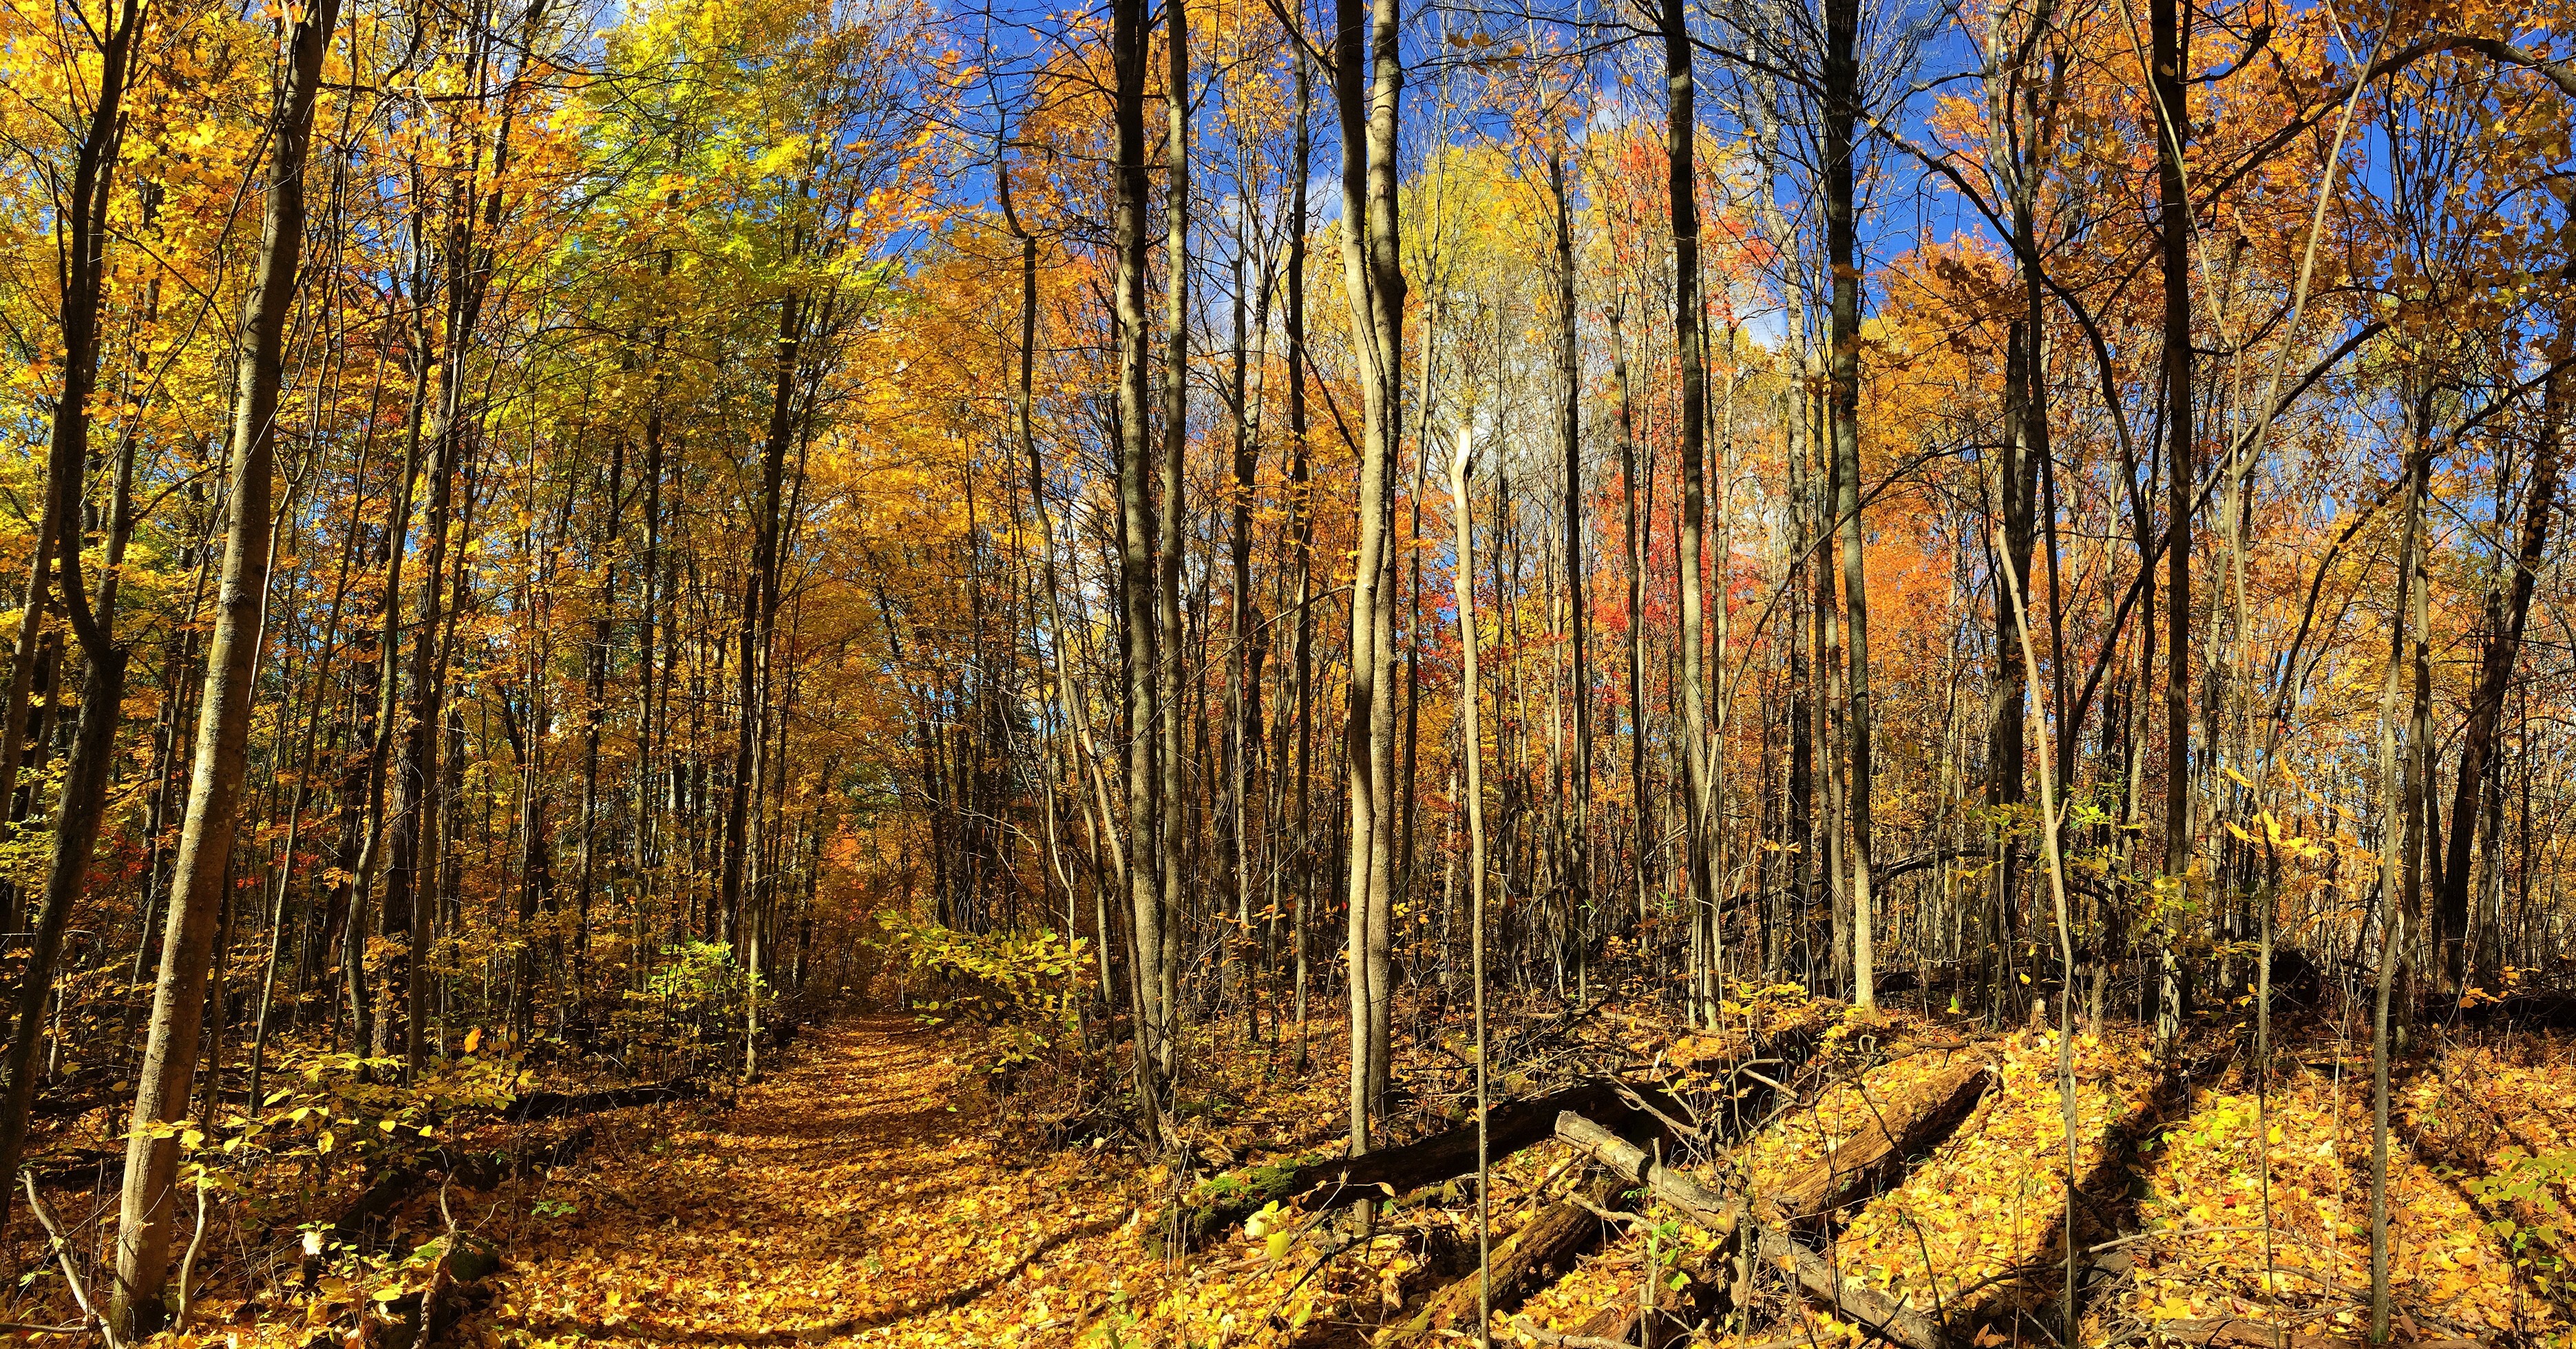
(2169, 35)
(1842, 107)
(1569, 374)
(1471, 746)
(1140, 700)
(1367, 81)
(206, 831)
(1681, 126)
(2486, 705)
(1174, 536)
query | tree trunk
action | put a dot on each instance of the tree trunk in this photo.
(206, 832)
(1139, 701)
(2169, 35)
(1471, 746)
(1174, 535)
(1681, 125)
(1634, 551)
(1367, 108)
(2394, 812)
(1301, 511)
(1842, 258)
(2486, 705)
(83, 227)
(2008, 703)
(1569, 374)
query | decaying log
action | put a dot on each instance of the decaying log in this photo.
(1710, 1208)
(1448, 1154)
(476, 1171)
(1533, 1257)
(1512, 1126)
(538, 1105)
(1887, 1317)
(1856, 1171)
(1572, 1228)
(1876, 1157)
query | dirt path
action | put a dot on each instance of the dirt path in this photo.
(841, 1201)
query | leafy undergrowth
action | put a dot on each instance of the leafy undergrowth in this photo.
(1981, 1219)
(332, 1125)
(871, 1193)
(2473, 1234)
(2207, 1254)
(1972, 1225)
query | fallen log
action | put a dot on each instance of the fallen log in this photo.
(1227, 1200)
(475, 1171)
(1562, 1235)
(1543, 1250)
(537, 1105)
(1511, 1126)
(2540, 1009)
(1887, 1317)
(1876, 1157)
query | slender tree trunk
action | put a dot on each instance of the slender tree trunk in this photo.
(470, 272)
(1681, 126)
(595, 697)
(1174, 536)
(2170, 38)
(2396, 808)
(1569, 374)
(206, 832)
(24, 658)
(1842, 257)
(1642, 827)
(1140, 701)
(1367, 172)
(2006, 752)
(2486, 705)
(1386, 295)
(1246, 642)
(752, 636)
(1471, 746)
(1301, 508)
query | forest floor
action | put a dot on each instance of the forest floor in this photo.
(853, 1196)
(872, 1191)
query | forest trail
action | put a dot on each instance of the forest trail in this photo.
(841, 1200)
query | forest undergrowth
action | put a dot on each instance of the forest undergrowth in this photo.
(882, 1186)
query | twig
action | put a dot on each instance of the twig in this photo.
(1629, 1097)
(1773, 1084)
(188, 1262)
(1605, 1215)
(437, 1288)
(438, 1273)
(63, 1254)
